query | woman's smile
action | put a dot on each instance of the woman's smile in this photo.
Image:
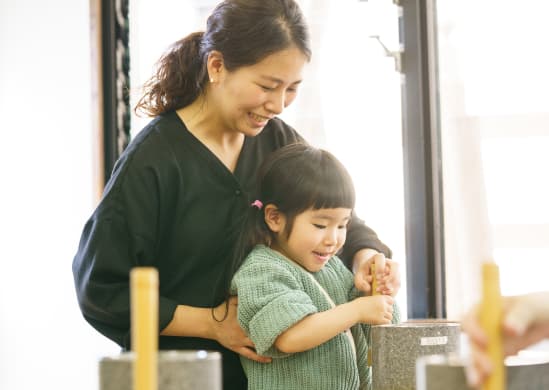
(258, 120)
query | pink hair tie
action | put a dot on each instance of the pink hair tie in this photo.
(257, 203)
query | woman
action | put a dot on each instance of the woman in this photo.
(177, 194)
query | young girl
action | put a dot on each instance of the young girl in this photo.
(296, 299)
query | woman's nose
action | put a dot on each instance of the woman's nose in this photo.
(276, 103)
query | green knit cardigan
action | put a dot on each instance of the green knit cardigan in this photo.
(274, 293)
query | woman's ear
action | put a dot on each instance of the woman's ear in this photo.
(216, 66)
(274, 219)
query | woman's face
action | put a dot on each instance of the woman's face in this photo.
(249, 96)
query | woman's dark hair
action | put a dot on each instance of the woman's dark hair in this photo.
(294, 178)
(243, 31)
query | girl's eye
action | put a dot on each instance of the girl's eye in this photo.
(319, 226)
(342, 226)
(265, 88)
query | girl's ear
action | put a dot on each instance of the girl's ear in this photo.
(274, 218)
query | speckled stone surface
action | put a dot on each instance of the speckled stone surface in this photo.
(447, 372)
(177, 370)
(397, 347)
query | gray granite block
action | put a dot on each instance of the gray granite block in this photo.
(447, 372)
(177, 370)
(395, 349)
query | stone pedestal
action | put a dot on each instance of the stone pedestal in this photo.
(448, 372)
(395, 349)
(177, 370)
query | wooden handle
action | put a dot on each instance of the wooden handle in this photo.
(379, 264)
(144, 327)
(491, 318)
(369, 357)
(374, 279)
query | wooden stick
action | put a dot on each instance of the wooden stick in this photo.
(144, 327)
(491, 319)
(374, 279)
(369, 357)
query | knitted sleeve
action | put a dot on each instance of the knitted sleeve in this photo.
(270, 300)
(396, 314)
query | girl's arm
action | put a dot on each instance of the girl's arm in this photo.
(317, 328)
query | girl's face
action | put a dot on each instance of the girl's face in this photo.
(249, 96)
(316, 236)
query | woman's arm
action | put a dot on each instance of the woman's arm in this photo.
(318, 328)
(359, 237)
(191, 321)
(361, 245)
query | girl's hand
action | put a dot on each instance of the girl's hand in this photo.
(388, 274)
(228, 332)
(375, 309)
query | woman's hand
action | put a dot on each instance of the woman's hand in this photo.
(525, 322)
(387, 271)
(228, 332)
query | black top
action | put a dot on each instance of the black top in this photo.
(173, 205)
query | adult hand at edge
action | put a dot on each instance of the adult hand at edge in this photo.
(228, 332)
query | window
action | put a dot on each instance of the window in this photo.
(494, 94)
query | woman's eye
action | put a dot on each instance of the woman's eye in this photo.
(319, 226)
(265, 88)
(342, 226)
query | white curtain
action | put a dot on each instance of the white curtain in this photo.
(494, 99)
(468, 237)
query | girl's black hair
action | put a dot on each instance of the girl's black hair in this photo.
(243, 31)
(294, 178)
